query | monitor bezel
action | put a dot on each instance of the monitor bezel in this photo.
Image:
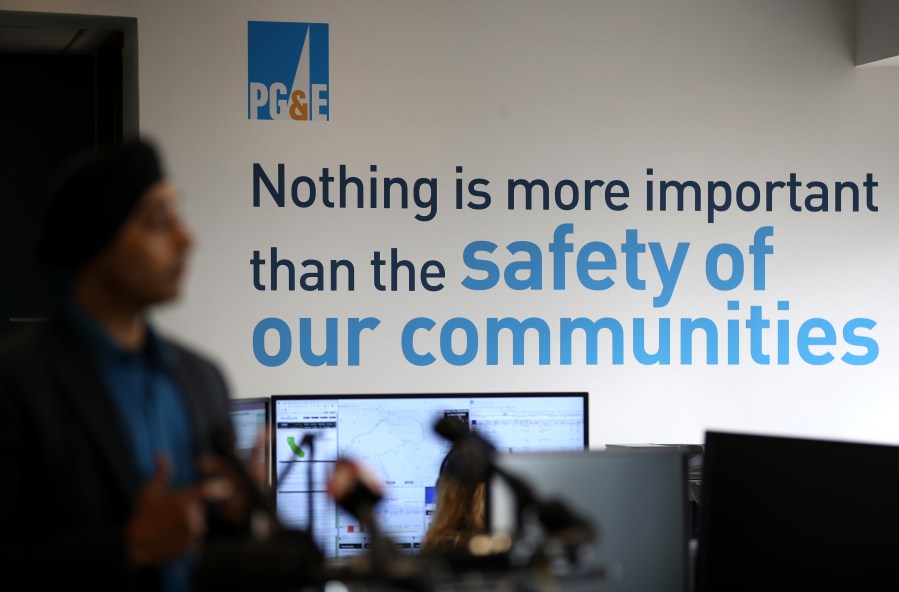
(265, 400)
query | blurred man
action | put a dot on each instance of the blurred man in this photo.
(106, 425)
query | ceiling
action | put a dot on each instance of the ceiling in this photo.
(23, 33)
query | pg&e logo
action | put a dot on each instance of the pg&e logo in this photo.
(288, 71)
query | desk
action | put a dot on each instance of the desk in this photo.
(520, 582)
(434, 576)
(276, 569)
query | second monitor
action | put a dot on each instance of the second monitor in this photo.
(393, 437)
(250, 417)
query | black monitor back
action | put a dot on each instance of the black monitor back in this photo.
(782, 513)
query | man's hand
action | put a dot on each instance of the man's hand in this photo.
(233, 498)
(168, 524)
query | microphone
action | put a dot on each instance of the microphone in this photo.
(473, 460)
(307, 440)
(472, 457)
(281, 561)
(470, 461)
(355, 490)
(222, 439)
(565, 525)
(451, 429)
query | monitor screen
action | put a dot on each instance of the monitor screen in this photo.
(250, 417)
(797, 514)
(393, 437)
(635, 500)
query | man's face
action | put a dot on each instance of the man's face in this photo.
(146, 260)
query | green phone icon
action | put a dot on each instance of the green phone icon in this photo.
(292, 442)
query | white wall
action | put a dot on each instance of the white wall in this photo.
(877, 32)
(696, 89)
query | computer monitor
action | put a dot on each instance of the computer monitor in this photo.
(250, 416)
(636, 501)
(791, 513)
(393, 437)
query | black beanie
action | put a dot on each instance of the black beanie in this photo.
(90, 199)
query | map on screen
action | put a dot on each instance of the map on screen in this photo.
(392, 437)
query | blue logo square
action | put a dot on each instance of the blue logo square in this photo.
(288, 71)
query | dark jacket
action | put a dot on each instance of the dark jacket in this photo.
(68, 477)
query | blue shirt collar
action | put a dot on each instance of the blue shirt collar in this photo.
(98, 341)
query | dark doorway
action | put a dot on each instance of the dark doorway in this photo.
(65, 92)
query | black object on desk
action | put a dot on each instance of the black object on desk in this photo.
(786, 513)
(279, 560)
